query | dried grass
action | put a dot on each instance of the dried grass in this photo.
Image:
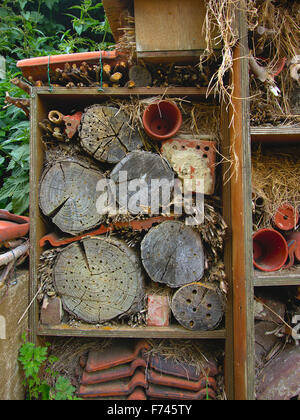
(275, 178)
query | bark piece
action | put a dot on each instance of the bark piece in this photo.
(172, 253)
(198, 307)
(99, 279)
(142, 170)
(140, 76)
(68, 196)
(106, 135)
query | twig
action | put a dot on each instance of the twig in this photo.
(14, 254)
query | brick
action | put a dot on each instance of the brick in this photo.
(52, 311)
(158, 311)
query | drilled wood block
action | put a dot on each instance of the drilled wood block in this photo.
(99, 279)
(198, 307)
(106, 135)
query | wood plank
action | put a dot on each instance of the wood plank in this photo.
(123, 92)
(85, 330)
(275, 135)
(242, 223)
(289, 277)
(172, 25)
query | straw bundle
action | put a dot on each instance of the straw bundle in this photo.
(275, 179)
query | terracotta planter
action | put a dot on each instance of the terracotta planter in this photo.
(162, 120)
(270, 250)
(37, 67)
(286, 217)
(12, 226)
(295, 236)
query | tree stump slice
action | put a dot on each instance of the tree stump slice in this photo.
(197, 307)
(99, 279)
(172, 253)
(145, 166)
(106, 135)
(68, 196)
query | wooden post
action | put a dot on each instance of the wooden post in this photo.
(242, 265)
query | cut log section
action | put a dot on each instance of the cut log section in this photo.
(172, 253)
(68, 196)
(106, 135)
(140, 76)
(198, 307)
(99, 279)
(140, 172)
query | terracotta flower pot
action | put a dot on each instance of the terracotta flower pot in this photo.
(37, 67)
(295, 236)
(162, 120)
(286, 217)
(270, 250)
(12, 226)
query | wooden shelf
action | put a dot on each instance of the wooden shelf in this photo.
(279, 278)
(275, 135)
(123, 91)
(85, 330)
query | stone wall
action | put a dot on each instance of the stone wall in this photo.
(13, 303)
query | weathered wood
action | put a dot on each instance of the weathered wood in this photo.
(158, 25)
(172, 253)
(198, 307)
(68, 196)
(116, 11)
(142, 167)
(99, 279)
(106, 135)
(140, 76)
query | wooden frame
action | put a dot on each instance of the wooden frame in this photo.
(42, 102)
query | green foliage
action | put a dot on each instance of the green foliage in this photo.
(31, 28)
(32, 359)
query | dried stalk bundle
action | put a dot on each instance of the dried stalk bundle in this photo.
(277, 37)
(275, 180)
(165, 75)
(45, 270)
(127, 42)
(267, 109)
(221, 15)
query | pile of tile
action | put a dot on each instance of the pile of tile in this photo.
(127, 371)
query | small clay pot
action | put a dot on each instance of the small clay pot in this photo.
(286, 217)
(162, 120)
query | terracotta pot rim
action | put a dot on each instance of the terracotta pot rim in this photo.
(62, 58)
(171, 133)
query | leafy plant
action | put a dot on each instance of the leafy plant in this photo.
(31, 28)
(33, 359)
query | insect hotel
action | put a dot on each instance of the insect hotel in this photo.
(164, 287)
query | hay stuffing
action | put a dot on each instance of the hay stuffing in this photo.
(275, 181)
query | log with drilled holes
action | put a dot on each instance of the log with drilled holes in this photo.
(172, 253)
(140, 173)
(99, 279)
(198, 307)
(106, 135)
(68, 196)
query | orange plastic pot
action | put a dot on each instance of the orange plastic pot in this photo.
(162, 120)
(286, 217)
(37, 67)
(270, 250)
